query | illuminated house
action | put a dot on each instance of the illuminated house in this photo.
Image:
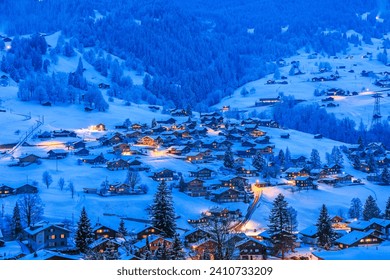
(47, 236)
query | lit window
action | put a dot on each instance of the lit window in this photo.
(62, 235)
(53, 236)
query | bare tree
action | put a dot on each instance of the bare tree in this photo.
(47, 179)
(222, 231)
(132, 179)
(71, 188)
(31, 208)
(61, 183)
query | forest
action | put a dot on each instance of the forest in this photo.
(196, 52)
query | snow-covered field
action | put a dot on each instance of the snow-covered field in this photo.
(301, 86)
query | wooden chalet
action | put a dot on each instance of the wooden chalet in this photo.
(252, 249)
(304, 182)
(202, 174)
(25, 189)
(150, 141)
(309, 235)
(152, 243)
(226, 194)
(163, 175)
(47, 236)
(117, 164)
(136, 165)
(195, 235)
(122, 149)
(267, 101)
(299, 161)
(234, 182)
(57, 154)
(359, 238)
(112, 139)
(101, 231)
(95, 159)
(246, 171)
(195, 157)
(82, 152)
(101, 245)
(333, 169)
(99, 127)
(77, 145)
(146, 231)
(133, 134)
(293, 172)
(28, 159)
(205, 249)
(195, 188)
(179, 150)
(64, 133)
(6, 191)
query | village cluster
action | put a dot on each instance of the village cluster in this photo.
(244, 161)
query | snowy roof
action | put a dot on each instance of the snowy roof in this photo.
(360, 224)
(309, 231)
(354, 236)
(382, 222)
(220, 191)
(32, 230)
(301, 178)
(294, 169)
(47, 254)
(260, 242)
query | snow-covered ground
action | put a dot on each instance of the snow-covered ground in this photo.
(301, 86)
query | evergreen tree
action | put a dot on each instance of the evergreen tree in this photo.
(355, 211)
(292, 219)
(279, 226)
(287, 158)
(182, 184)
(110, 253)
(385, 176)
(258, 161)
(315, 159)
(326, 234)
(122, 230)
(177, 252)
(228, 160)
(387, 210)
(162, 252)
(84, 235)
(371, 209)
(163, 213)
(337, 157)
(16, 226)
(281, 158)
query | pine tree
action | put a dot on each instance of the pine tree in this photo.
(177, 252)
(228, 160)
(279, 226)
(337, 156)
(17, 228)
(122, 230)
(84, 235)
(371, 209)
(326, 234)
(355, 211)
(182, 184)
(110, 253)
(385, 176)
(281, 158)
(163, 213)
(258, 161)
(315, 159)
(387, 210)
(287, 158)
